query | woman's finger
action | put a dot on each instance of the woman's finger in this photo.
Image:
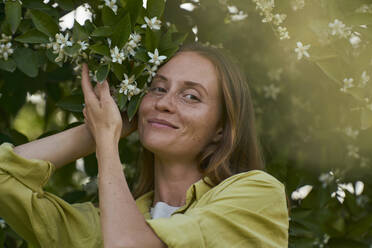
(89, 95)
(104, 90)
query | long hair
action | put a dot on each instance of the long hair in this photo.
(238, 150)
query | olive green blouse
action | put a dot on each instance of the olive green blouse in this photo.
(248, 209)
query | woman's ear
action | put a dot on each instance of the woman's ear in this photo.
(218, 135)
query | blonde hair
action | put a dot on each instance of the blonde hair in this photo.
(238, 150)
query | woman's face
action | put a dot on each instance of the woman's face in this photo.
(186, 93)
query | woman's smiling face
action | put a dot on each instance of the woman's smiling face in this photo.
(186, 94)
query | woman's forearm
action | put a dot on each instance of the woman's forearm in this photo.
(122, 223)
(61, 148)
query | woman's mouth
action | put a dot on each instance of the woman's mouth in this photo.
(159, 123)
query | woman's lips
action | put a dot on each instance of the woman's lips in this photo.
(160, 125)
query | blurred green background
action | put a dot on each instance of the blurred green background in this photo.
(308, 65)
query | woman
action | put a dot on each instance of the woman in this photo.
(201, 183)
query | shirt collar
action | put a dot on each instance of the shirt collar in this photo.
(194, 193)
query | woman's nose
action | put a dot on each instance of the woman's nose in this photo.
(165, 103)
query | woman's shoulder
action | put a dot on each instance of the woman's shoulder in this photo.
(253, 179)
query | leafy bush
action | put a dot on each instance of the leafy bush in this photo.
(308, 65)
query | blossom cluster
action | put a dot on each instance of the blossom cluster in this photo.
(128, 86)
(340, 30)
(266, 8)
(297, 4)
(236, 14)
(5, 47)
(60, 42)
(349, 82)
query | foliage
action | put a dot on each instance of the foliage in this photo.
(308, 66)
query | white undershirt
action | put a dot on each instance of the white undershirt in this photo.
(162, 210)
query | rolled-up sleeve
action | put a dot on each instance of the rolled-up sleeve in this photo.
(249, 211)
(41, 218)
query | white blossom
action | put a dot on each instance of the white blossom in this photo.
(5, 38)
(279, 18)
(301, 50)
(339, 28)
(232, 9)
(364, 79)
(351, 133)
(354, 40)
(239, 16)
(348, 83)
(275, 74)
(2, 224)
(365, 8)
(117, 55)
(133, 43)
(155, 58)
(283, 33)
(151, 71)
(359, 187)
(129, 86)
(301, 192)
(63, 40)
(152, 23)
(353, 151)
(298, 4)
(112, 5)
(84, 45)
(6, 50)
(135, 37)
(271, 91)
(326, 178)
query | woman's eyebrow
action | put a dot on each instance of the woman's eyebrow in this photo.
(188, 83)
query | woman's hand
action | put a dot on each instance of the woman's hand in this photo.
(101, 112)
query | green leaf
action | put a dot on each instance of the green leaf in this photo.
(360, 227)
(26, 61)
(72, 50)
(141, 55)
(100, 49)
(366, 119)
(155, 8)
(138, 70)
(44, 23)
(118, 70)
(134, 8)
(79, 32)
(152, 39)
(180, 38)
(133, 105)
(8, 65)
(73, 103)
(52, 56)
(33, 36)
(108, 16)
(102, 72)
(122, 100)
(66, 4)
(13, 12)
(102, 31)
(121, 32)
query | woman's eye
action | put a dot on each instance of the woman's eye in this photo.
(192, 97)
(157, 89)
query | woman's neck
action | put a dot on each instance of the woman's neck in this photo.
(172, 180)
